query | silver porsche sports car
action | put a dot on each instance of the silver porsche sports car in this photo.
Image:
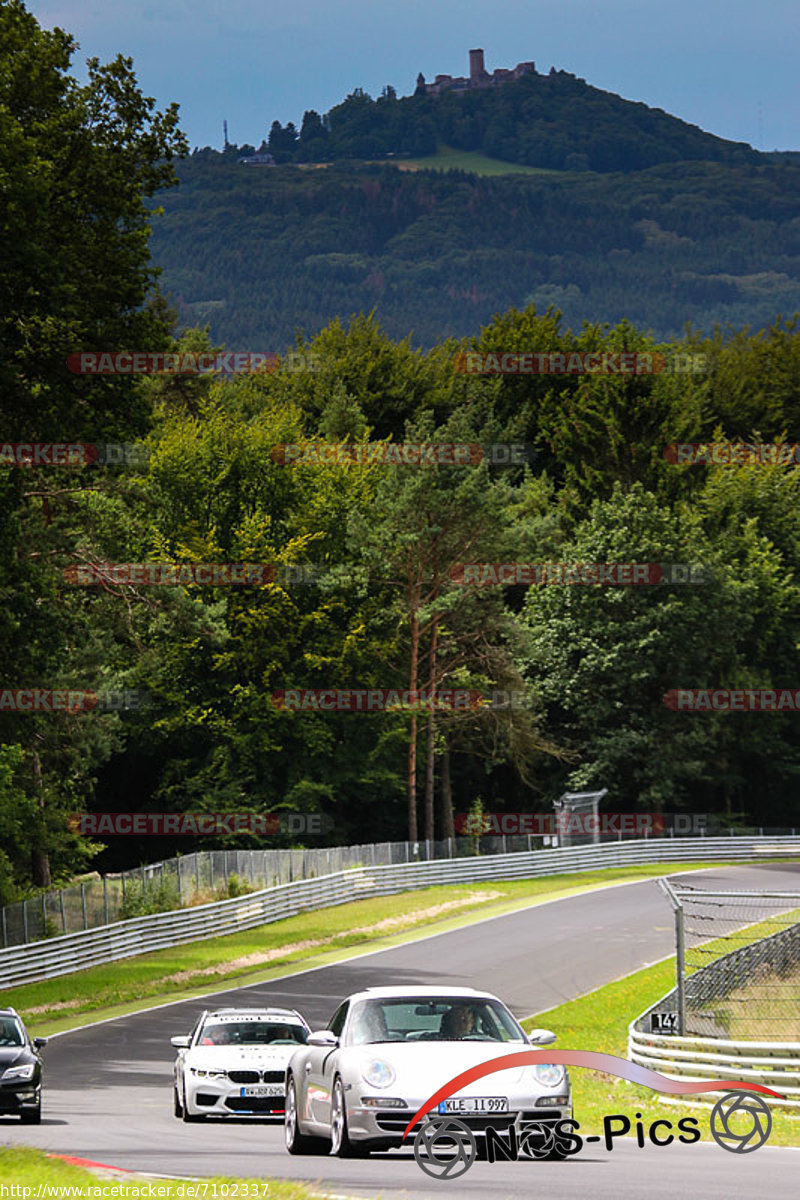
(355, 1086)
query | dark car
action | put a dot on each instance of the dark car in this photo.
(20, 1070)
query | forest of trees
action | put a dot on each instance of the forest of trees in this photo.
(260, 252)
(385, 608)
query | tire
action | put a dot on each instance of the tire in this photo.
(341, 1146)
(32, 1116)
(177, 1107)
(189, 1118)
(297, 1142)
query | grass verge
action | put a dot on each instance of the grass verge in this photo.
(33, 1173)
(599, 1021)
(308, 940)
(447, 158)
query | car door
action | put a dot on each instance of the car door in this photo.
(318, 1071)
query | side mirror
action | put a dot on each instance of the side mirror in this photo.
(542, 1037)
(180, 1043)
(323, 1037)
(39, 1043)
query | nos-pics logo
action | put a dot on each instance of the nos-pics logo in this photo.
(446, 1148)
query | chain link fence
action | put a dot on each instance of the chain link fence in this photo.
(214, 875)
(738, 963)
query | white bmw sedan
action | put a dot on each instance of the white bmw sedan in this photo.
(233, 1063)
(356, 1085)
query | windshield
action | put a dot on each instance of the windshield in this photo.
(437, 1019)
(11, 1032)
(241, 1031)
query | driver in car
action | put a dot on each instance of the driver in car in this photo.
(216, 1036)
(458, 1023)
(281, 1033)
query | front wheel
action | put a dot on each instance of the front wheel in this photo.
(297, 1142)
(177, 1107)
(341, 1145)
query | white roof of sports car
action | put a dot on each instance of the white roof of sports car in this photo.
(374, 993)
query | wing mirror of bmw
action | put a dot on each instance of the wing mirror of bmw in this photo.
(542, 1037)
(39, 1043)
(323, 1037)
(180, 1043)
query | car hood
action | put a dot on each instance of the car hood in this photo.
(9, 1055)
(421, 1065)
(239, 1058)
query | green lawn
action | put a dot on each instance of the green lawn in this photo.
(309, 939)
(449, 159)
(599, 1021)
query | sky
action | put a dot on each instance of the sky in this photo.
(729, 66)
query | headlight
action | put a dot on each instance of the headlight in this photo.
(25, 1072)
(378, 1073)
(549, 1075)
(208, 1074)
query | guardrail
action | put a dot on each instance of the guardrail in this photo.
(73, 952)
(775, 1064)
(695, 1056)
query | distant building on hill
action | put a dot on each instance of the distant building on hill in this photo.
(479, 77)
(258, 160)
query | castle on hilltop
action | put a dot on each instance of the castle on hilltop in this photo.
(479, 77)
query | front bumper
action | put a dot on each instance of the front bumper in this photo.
(224, 1098)
(19, 1097)
(386, 1126)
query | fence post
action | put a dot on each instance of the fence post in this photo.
(679, 967)
(105, 898)
(178, 871)
(44, 915)
(63, 913)
(25, 921)
(83, 905)
(5, 928)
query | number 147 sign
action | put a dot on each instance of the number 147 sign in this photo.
(664, 1022)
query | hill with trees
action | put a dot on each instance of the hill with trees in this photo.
(556, 121)
(260, 252)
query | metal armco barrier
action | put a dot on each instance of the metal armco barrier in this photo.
(775, 1064)
(139, 935)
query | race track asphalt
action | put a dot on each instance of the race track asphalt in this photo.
(108, 1090)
